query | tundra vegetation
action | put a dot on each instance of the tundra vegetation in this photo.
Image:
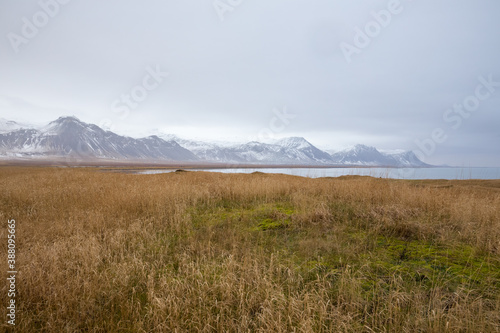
(106, 251)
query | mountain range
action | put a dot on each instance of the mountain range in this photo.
(70, 137)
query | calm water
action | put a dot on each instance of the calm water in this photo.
(403, 173)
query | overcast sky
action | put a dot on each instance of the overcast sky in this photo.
(416, 75)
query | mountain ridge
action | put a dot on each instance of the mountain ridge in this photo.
(67, 136)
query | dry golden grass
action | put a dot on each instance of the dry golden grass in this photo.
(209, 252)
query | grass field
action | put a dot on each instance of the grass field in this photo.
(210, 252)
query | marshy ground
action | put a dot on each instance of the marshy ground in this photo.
(212, 252)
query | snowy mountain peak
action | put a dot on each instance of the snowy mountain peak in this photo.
(7, 126)
(294, 142)
(66, 120)
(69, 125)
(361, 147)
(362, 155)
(6, 122)
(253, 143)
(366, 155)
(168, 137)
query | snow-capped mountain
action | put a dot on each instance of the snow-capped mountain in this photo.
(207, 151)
(296, 147)
(68, 136)
(407, 159)
(361, 155)
(7, 126)
(370, 156)
(292, 150)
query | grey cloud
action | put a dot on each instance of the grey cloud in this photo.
(231, 74)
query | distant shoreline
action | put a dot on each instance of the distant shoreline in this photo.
(70, 162)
